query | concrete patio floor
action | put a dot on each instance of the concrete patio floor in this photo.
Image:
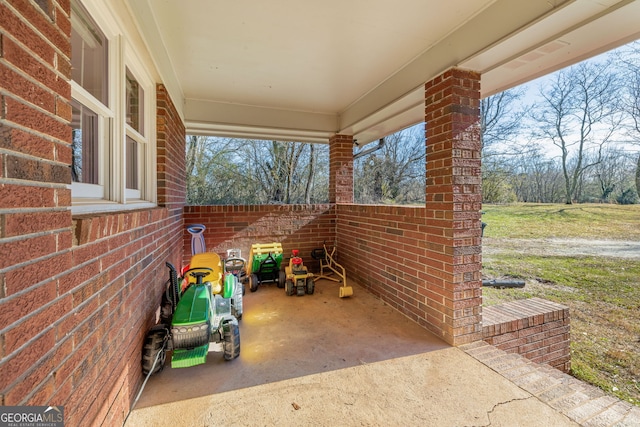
(325, 361)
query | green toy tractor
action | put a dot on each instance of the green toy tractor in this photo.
(265, 260)
(197, 309)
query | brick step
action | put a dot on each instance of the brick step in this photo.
(583, 403)
(536, 328)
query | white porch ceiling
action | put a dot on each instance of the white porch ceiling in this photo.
(305, 70)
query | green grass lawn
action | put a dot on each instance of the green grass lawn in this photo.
(603, 293)
(536, 221)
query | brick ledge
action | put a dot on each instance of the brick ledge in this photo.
(534, 328)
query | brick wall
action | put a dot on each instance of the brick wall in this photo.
(534, 328)
(114, 287)
(76, 293)
(171, 143)
(341, 169)
(453, 204)
(171, 167)
(383, 249)
(35, 224)
(302, 227)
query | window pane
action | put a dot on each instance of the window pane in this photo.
(135, 97)
(84, 127)
(132, 164)
(88, 54)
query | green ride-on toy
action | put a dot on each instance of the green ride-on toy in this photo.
(265, 260)
(236, 265)
(201, 307)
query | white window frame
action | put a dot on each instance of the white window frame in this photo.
(105, 117)
(111, 193)
(146, 139)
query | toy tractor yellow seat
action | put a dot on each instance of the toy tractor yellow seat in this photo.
(222, 282)
(208, 260)
(298, 279)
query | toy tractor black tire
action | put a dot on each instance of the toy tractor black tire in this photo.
(166, 312)
(235, 312)
(282, 278)
(254, 281)
(231, 341)
(310, 286)
(154, 343)
(289, 288)
(301, 287)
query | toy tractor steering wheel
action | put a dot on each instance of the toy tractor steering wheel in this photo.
(199, 273)
(234, 265)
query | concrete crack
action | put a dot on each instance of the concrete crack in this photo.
(489, 412)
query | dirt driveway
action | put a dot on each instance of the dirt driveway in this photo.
(563, 247)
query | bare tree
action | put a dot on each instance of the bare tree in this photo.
(498, 179)
(628, 58)
(395, 173)
(501, 120)
(610, 174)
(194, 150)
(212, 174)
(579, 115)
(536, 177)
(501, 124)
(281, 172)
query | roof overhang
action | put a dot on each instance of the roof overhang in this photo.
(292, 70)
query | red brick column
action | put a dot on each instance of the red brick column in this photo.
(453, 203)
(170, 137)
(341, 169)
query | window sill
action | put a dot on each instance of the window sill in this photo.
(98, 206)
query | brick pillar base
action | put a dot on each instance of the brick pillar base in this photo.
(453, 204)
(341, 169)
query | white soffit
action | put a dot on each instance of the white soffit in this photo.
(581, 30)
(299, 55)
(295, 70)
